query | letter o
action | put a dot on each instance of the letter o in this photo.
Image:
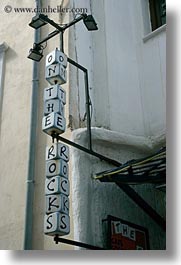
(52, 168)
(65, 169)
(61, 59)
(50, 58)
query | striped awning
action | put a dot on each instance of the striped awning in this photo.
(151, 169)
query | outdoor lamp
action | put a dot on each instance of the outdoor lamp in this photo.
(90, 23)
(36, 53)
(38, 21)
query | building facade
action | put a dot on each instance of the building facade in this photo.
(126, 63)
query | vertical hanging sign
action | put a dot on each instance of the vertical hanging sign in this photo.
(56, 220)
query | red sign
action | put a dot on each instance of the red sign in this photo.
(127, 236)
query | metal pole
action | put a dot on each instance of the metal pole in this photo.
(28, 233)
(76, 243)
(131, 193)
(61, 30)
(61, 42)
(73, 22)
(87, 97)
(58, 28)
(86, 150)
(143, 205)
(51, 35)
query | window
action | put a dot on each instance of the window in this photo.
(157, 13)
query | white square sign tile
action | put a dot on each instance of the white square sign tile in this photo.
(57, 167)
(56, 73)
(57, 151)
(55, 92)
(57, 203)
(56, 56)
(56, 224)
(56, 185)
(53, 122)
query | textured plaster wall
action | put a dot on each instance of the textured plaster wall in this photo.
(93, 200)
(120, 62)
(14, 132)
(127, 88)
(121, 102)
(15, 127)
(129, 73)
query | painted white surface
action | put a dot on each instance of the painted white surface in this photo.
(14, 125)
(129, 110)
(93, 200)
(128, 89)
(80, 50)
(127, 74)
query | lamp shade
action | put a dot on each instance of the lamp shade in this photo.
(38, 21)
(90, 23)
(36, 53)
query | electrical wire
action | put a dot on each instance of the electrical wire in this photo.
(112, 172)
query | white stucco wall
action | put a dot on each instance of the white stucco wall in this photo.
(14, 129)
(93, 200)
(122, 62)
(127, 89)
(80, 50)
(127, 75)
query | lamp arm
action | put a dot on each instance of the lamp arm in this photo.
(51, 22)
(82, 16)
(51, 35)
(58, 28)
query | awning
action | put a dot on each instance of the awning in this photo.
(151, 169)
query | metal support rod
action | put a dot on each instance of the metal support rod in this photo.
(50, 35)
(77, 65)
(66, 26)
(61, 29)
(127, 189)
(74, 21)
(87, 97)
(88, 110)
(143, 205)
(51, 22)
(130, 192)
(76, 243)
(61, 42)
(58, 28)
(84, 149)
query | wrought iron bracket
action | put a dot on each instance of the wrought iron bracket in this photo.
(84, 149)
(131, 193)
(58, 239)
(143, 205)
(126, 188)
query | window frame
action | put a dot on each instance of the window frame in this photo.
(156, 13)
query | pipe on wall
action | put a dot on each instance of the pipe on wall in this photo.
(28, 232)
(3, 49)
